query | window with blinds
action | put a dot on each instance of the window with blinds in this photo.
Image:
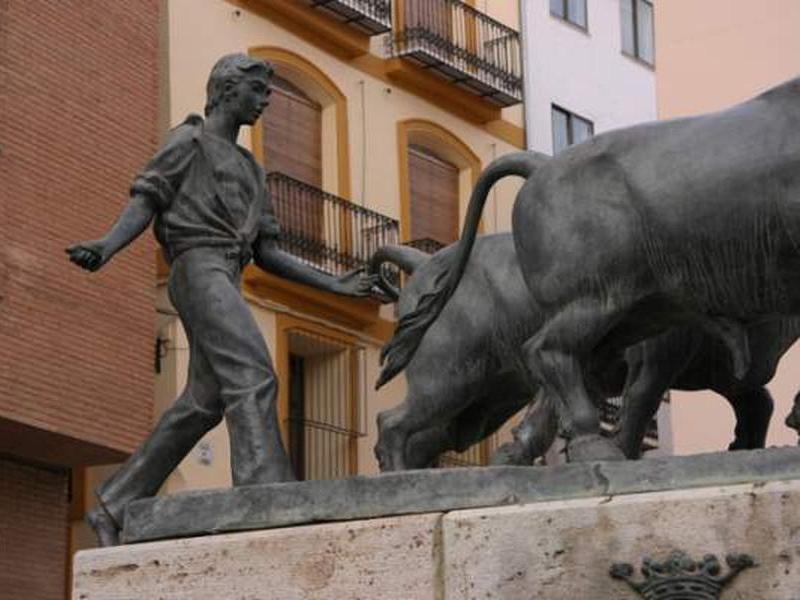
(292, 145)
(433, 184)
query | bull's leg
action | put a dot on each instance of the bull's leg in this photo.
(642, 399)
(533, 436)
(556, 357)
(390, 448)
(653, 366)
(424, 447)
(793, 418)
(753, 410)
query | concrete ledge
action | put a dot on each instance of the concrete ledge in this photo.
(366, 560)
(558, 550)
(545, 550)
(412, 492)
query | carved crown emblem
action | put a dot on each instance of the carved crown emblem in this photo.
(681, 578)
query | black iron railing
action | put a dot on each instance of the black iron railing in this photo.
(370, 16)
(609, 418)
(326, 231)
(462, 44)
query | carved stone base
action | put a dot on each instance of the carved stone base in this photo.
(544, 550)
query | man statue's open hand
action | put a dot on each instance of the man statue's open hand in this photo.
(356, 283)
(89, 255)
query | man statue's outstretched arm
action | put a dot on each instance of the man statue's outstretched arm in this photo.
(273, 260)
(135, 217)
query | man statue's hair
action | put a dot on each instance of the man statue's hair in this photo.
(232, 68)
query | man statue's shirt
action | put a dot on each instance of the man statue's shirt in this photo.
(206, 191)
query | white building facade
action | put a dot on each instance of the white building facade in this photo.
(581, 65)
(589, 67)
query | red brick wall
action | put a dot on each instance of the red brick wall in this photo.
(33, 532)
(79, 91)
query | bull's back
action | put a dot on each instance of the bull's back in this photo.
(666, 207)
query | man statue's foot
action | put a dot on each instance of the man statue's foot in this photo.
(586, 448)
(104, 526)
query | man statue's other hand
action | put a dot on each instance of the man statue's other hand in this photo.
(356, 283)
(89, 255)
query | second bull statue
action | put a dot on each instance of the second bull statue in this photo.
(692, 221)
(468, 375)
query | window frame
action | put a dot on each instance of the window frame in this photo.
(566, 18)
(287, 325)
(433, 162)
(570, 117)
(636, 55)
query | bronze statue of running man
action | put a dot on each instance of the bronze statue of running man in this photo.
(212, 216)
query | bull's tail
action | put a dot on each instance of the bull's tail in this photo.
(411, 328)
(407, 258)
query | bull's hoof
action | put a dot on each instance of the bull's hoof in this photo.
(510, 453)
(629, 449)
(586, 448)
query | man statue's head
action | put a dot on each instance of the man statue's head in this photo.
(239, 83)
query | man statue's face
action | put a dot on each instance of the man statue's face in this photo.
(247, 98)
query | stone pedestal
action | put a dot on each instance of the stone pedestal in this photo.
(528, 548)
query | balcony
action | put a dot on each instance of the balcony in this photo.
(325, 231)
(462, 45)
(369, 16)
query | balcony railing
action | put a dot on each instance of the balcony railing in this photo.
(325, 231)
(370, 16)
(463, 45)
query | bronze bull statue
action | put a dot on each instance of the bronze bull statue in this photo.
(483, 327)
(688, 222)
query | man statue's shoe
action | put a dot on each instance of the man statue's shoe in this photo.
(104, 526)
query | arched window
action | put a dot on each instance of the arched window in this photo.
(433, 188)
(292, 133)
(316, 132)
(301, 139)
(437, 172)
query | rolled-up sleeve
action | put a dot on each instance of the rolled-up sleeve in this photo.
(161, 178)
